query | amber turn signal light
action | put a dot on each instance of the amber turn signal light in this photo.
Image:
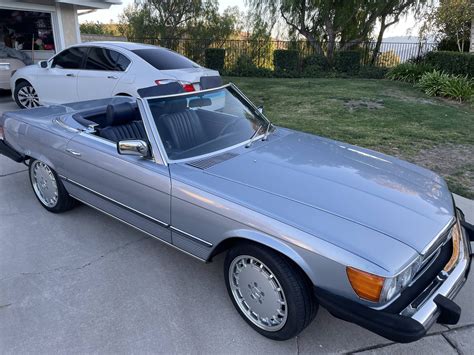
(367, 286)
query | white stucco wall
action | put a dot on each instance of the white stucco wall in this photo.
(67, 15)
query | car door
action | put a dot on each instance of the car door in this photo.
(58, 83)
(102, 71)
(133, 189)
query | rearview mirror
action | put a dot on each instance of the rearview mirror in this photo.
(260, 109)
(43, 64)
(133, 147)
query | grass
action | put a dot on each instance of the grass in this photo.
(387, 116)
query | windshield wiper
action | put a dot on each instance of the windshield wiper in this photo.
(267, 131)
(254, 135)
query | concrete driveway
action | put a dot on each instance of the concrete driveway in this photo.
(81, 282)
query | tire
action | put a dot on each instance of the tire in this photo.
(48, 188)
(25, 95)
(255, 287)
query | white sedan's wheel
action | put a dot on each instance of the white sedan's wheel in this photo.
(26, 96)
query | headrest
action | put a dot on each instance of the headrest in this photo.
(209, 82)
(160, 90)
(120, 114)
(175, 105)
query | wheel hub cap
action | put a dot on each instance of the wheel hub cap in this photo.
(44, 184)
(258, 293)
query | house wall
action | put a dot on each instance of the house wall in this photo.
(67, 16)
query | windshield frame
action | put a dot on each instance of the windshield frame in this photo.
(234, 90)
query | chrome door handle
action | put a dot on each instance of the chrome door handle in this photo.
(70, 74)
(73, 152)
(112, 77)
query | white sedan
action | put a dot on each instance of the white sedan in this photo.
(97, 70)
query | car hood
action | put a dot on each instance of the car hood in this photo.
(382, 193)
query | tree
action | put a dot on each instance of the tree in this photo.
(450, 22)
(97, 28)
(325, 22)
(390, 15)
(159, 18)
(453, 20)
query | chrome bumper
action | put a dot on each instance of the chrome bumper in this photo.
(427, 313)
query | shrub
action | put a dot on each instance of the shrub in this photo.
(408, 72)
(245, 66)
(458, 87)
(285, 60)
(432, 82)
(451, 62)
(316, 62)
(347, 62)
(215, 58)
(372, 72)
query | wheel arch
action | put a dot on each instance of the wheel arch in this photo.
(20, 80)
(269, 242)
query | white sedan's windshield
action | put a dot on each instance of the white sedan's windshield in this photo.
(203, 122)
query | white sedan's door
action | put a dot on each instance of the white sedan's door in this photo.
(58, 83)
(102, 71)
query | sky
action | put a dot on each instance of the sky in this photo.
(406, 27)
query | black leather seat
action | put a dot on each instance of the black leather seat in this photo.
(122, 123)
(184, 126)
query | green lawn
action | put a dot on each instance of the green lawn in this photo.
(387, 116)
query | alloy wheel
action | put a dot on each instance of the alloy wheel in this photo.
(258, 293)
(28, 97)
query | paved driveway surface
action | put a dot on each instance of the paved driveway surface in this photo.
(82, 282)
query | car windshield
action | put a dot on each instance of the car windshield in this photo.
(200, 123)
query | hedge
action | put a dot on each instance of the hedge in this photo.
(285, 61)
(347, 62)
(215, 58)
(451, 62)
(316, 62)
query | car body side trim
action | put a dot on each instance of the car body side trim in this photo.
(130, 209)
(190, 236)
(115, 202)
(139, 229)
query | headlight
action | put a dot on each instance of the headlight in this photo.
(380, 289)
(4, 66)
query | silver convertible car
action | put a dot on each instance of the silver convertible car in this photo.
(304, 220)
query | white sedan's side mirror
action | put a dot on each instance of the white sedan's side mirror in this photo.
(43, 64)
(135, 147)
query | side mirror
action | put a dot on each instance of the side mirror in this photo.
(260, 109)
(133, 147)
(43, 64)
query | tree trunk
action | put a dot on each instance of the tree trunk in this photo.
(383, 26)
(471, 48)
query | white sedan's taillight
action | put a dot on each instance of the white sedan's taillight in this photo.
(187, 86)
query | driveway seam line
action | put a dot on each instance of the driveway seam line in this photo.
(16, 172)
(450, 343)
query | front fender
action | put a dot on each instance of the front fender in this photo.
(272, 243)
